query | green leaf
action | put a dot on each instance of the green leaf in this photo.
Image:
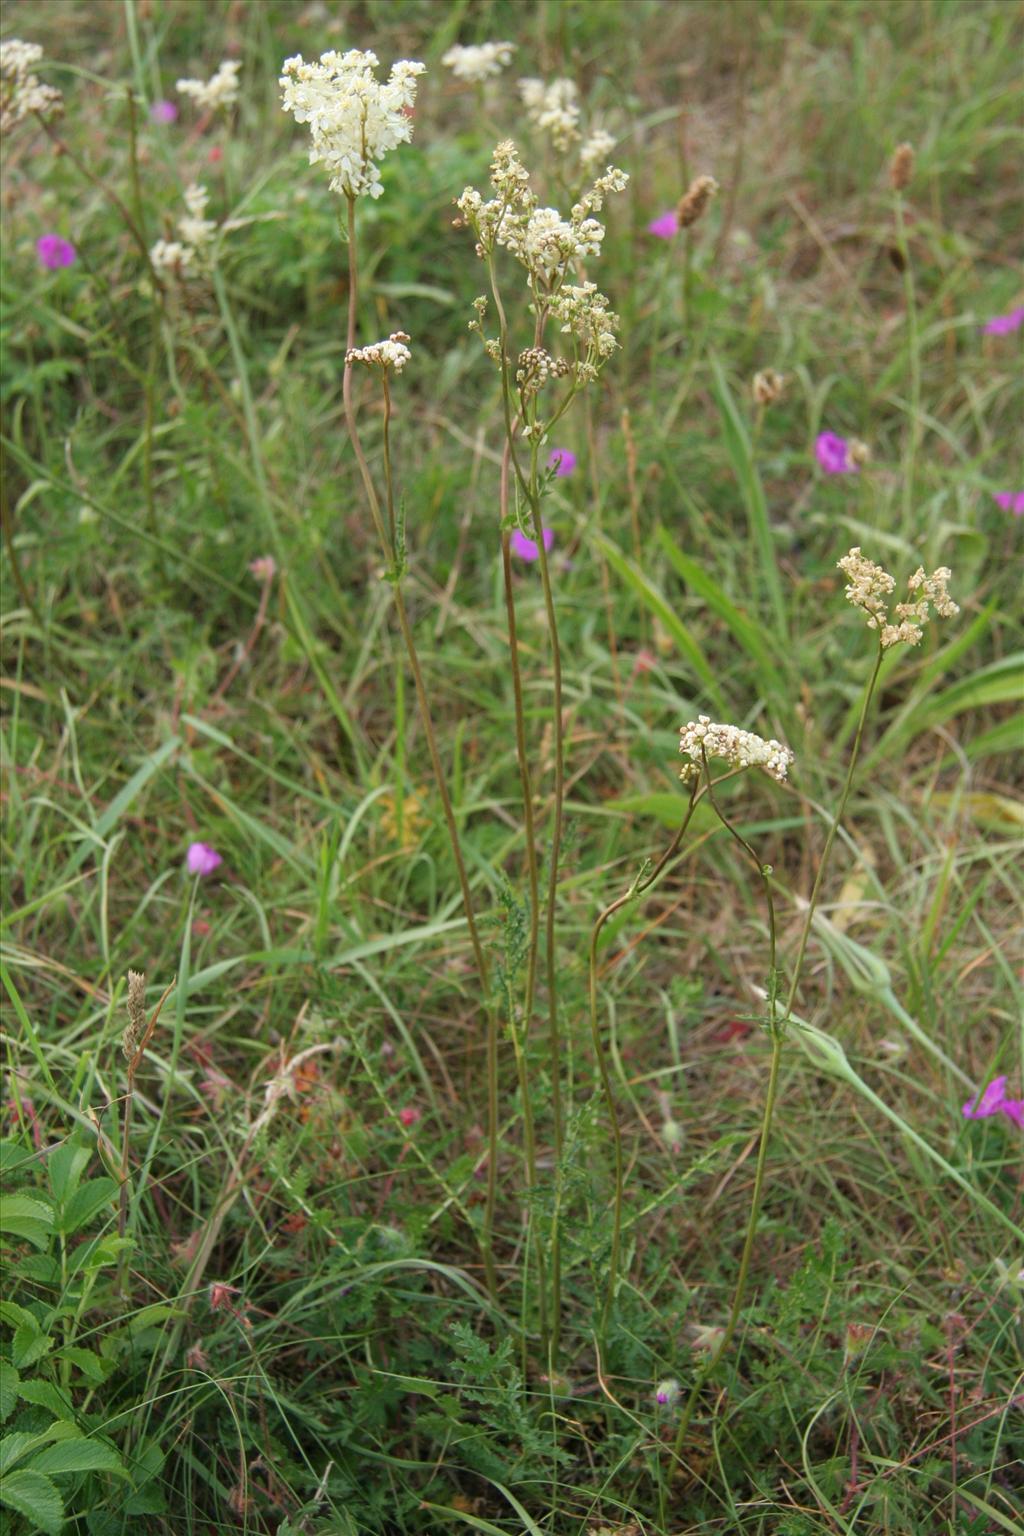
(43, 1394)
(33, 1495)
(9, 1380)
(86, 1203)
(17, 1317)
(65, 1167)
(78, 1456)
(12, 1154)
(13, 1448)
(27, 1218)
(750, 636)
(660, 607)
(741, 456)
(29, 1345)
(91, 1365)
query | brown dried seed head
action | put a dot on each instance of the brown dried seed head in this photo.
(901, 167)
(858, 452)
(768, 386)
(136, 1005)
(694, 204)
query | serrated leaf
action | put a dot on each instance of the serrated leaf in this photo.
(77, 1456)
(87, 1202)
(43, 1394)
(13, 1447)
(25, 1217)
(65, 1167)
(33, 1495)
(12, 1154)
(29, 1345)
(9, 1380)
(16, 1316)
(91, 1365)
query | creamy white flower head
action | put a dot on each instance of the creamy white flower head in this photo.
(195, 229)
(393, 353)
(477, 62)
(354, 118)
(594, 150)
(22, 94)
(181, 257)
(554, 109)
(221, 90)
(743, 749)
(584, 314)
(171, 256)
(869, 587)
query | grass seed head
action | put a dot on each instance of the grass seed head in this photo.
(694, 204)
(901, 167)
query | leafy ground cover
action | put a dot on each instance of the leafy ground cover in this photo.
(249, 1284)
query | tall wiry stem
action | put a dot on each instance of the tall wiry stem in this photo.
(391, 557)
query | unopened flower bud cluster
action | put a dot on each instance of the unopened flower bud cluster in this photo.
(22, 93)
(183, 256)
(869, 587)
(393, 353)
(477, 62)
(220, 91)
(354, 118)
(743, 749)
(535, 367)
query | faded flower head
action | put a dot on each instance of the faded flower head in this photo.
(702, 738)
(694, 204)
(869, 587)
(54, 252)
(554, 109)
(354, 118)
(393, 353)
(264, 568)
(768, 386)
(22, 94)
(477, 62)
(221, 90)
(136, 1006)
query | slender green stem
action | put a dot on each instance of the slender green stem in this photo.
(390, 556)
(913, 346)
(639, 887)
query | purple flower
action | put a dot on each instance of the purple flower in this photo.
(665, 226)
(526, 548)
(203, 860)
(163, 112)
(833, 454)
(1004, 325)
(994, 1102)
(1010, 501)
(54, 253)
(562, 461)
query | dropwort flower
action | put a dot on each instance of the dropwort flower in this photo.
(54, 253)
(1010, 501)
(744, 749)
(994, 1102)
(554, 109)
(354, 119)
(527, 548)
(833, 454)
(21, 92)
(196, 232)
(221, 90)
(869, 587)
(392, 353)
(202, 859)
(1004, 325)
(478, 62)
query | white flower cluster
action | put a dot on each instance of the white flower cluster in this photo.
(393, 353)
(554, 109)
(744, 749)
(869, 587)
(196, 230)
(585, 315)
(22, 94)
(354, 118)
(540, 238)
(595, 149)
(477, 62)
(221, 90)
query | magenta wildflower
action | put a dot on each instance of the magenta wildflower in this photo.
(163, 112)
(665, 226)
(666, 1392)
(202, 859)
(1010, 501)
(833, 454)
(264, 568)
(1004, 325)
(409, 1115)
(562, 461)
(994, 1102)
(526, 548)
(54, 253)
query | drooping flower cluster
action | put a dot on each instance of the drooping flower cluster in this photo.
(869, 588)
(393, 353)
(477, 62)
(744, 749)
(554, 109)
(183, 256)
(22, 94)
(354, 118)
(221, 90)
